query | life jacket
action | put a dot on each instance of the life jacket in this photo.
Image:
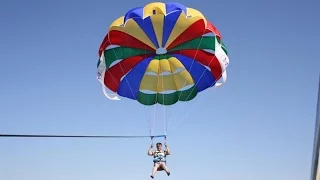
(159, 156)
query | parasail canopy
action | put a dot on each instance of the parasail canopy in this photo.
(161, 53)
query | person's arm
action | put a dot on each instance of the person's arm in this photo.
(167, 150)
(150, 151)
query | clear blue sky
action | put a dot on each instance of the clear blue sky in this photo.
(258, 126)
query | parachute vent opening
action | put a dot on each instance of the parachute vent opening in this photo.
(161, 50)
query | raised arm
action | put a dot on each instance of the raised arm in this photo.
(150, 151)
(167, 150)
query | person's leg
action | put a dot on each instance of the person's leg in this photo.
(155, 168)
(165, 168)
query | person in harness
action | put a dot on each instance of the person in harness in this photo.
(159, 158)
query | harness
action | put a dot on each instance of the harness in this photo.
(159, 156)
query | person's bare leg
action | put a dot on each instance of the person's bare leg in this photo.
(155, 168)
(165, 168)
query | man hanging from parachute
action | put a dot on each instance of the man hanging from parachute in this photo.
(162, 53)
(159, 158)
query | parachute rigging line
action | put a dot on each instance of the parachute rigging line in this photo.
(72, 136)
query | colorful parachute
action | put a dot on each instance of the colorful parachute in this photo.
(161, 53)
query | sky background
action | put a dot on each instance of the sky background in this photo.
(259, 125)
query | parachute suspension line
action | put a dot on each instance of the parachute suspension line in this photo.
(189, 71)
(150, 128)
(164, 119)
(174, 108)
(116, 97)
(155, 104)
(130, 87)
(223, 75)
(195, 103)
(154, 114)
(164, 108)
(155, 108)
(147, 117)
(175, 111)
(146, 108)
(204, 93)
